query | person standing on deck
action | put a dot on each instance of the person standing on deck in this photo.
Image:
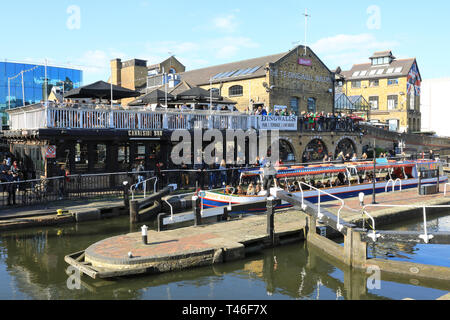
(269, 173)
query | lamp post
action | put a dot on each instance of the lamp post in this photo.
(210, 94)
(374, 179)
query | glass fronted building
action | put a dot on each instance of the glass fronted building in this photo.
(15, 93)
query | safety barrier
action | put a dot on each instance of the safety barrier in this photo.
(394, 183)
(320, 215)
(144, 185)
(426, 237)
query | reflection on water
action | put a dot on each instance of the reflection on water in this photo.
(32, 267)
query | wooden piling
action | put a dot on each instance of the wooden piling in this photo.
(134, 212)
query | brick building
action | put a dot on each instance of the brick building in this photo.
(296, 80)
(289, 80)
(391, 86)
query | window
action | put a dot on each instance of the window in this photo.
(363, 73)
(373, 101)
(392, 102)
(100, 156)
(380, 71)
(312, 105)
(374, 83)
(294, 105)
(390, 70)
(412, 100)
(215, 91)
(236, 91)
(393, 82)
(355, 74)
(356, 84)
(399, 70)
(393, 125)
(372, 72)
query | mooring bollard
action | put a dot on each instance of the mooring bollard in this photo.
(270, 219)
(126, 195)
(145, 234)
(196, 210)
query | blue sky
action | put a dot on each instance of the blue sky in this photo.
(88, 34)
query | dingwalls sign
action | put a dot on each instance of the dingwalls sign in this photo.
(283, 123)
(305, 62)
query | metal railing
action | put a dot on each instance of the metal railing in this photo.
(134, 187)
(426, 237)
(73, 187)
(103, 117)
(320, 214)
(394, 183)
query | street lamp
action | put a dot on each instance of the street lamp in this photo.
(374, 178)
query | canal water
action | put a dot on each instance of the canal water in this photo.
(32, 267)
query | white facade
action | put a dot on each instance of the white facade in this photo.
(435, 106)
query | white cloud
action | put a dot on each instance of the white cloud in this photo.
(95, 64)
(226, 23)
(197, 54)
(228, 47)
(344, 50)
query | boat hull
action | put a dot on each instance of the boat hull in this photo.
(214, 199)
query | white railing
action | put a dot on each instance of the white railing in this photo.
(394, 184)
(320, 214)
(194, 197)
(134, 187)
(90, 117)
(426, 237)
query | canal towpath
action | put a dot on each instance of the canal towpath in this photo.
(47, 215)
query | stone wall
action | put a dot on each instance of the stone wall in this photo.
(290, 79)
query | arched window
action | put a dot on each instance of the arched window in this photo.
(236, 91)
(315, 151)
(346, 146)
(312, 105)
(287, 153)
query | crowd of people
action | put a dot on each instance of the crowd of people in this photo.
(317, 121)
(321, 121)
(10, 172)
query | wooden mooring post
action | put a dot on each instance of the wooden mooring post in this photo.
(271, 205)
(197, 210)
(134, 212)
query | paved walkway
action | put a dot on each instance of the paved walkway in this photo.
(52, 208)
(167, 249)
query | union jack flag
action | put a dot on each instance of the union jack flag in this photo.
(413, 80)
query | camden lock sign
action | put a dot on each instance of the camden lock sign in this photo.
(283, 123)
